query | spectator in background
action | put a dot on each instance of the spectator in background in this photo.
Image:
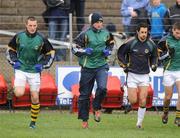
(172, 15)
(77, 7)
(29, 53)
(136, 56)
(93, 46)
(171, 76)
(157, 13)
(57, 18)
(133, 9)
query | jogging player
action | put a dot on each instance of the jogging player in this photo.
(170, 52)
(29, 53)
(136, 56)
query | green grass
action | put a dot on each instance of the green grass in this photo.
(56, 124)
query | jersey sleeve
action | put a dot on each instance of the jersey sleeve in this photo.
(48, 53)
(11, 52)
(154, 54)
(110, 42)
(122, 54)
(80, 43)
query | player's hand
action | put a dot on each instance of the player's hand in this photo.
(106, 52)
(125, 69)
(17, 65)
(154, 68)
(88, 51)
(38, 67)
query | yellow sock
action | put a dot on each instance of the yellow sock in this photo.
(165, 109)
(35, 108)
(166, 106)
(177, 113)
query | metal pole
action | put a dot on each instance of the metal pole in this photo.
(70, 38)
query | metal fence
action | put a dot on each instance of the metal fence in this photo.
(10, 28)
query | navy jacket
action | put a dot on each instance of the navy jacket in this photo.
(138, 56)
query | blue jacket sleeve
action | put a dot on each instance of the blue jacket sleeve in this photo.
(124, 9)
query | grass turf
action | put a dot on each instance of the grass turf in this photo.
(56, 124)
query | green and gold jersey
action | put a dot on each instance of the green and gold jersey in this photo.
(29, 50)
(173, 64)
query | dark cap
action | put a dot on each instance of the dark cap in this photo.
(95, 17)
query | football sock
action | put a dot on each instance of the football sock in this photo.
(35, 108)
(141, 113)
(165, 109)
(166, 106)
(178, 114)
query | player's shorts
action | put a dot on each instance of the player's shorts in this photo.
(170, 77)
(135, 80)
(33, 79)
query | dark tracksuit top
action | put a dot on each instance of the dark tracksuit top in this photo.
(30, 49)
(138, 56)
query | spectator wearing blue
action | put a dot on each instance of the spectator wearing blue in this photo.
(77, 8)
(93, 46)
(157, 13)
(57, 18)
(129, 9)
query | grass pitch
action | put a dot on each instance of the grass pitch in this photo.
(56, 124)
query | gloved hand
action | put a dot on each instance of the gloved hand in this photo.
(88, 51)
(153, 68)
(125, 69)
(38, 67)
(17, 65)
(106, 52)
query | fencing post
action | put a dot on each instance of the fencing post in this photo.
(70, 38)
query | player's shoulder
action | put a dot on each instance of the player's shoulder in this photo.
(130, 40)
(40, 35)
(20, 33)
(151, 41)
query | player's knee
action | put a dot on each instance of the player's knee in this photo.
(18, 93)
(132, 100)
(101, 91)
(84, 97)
